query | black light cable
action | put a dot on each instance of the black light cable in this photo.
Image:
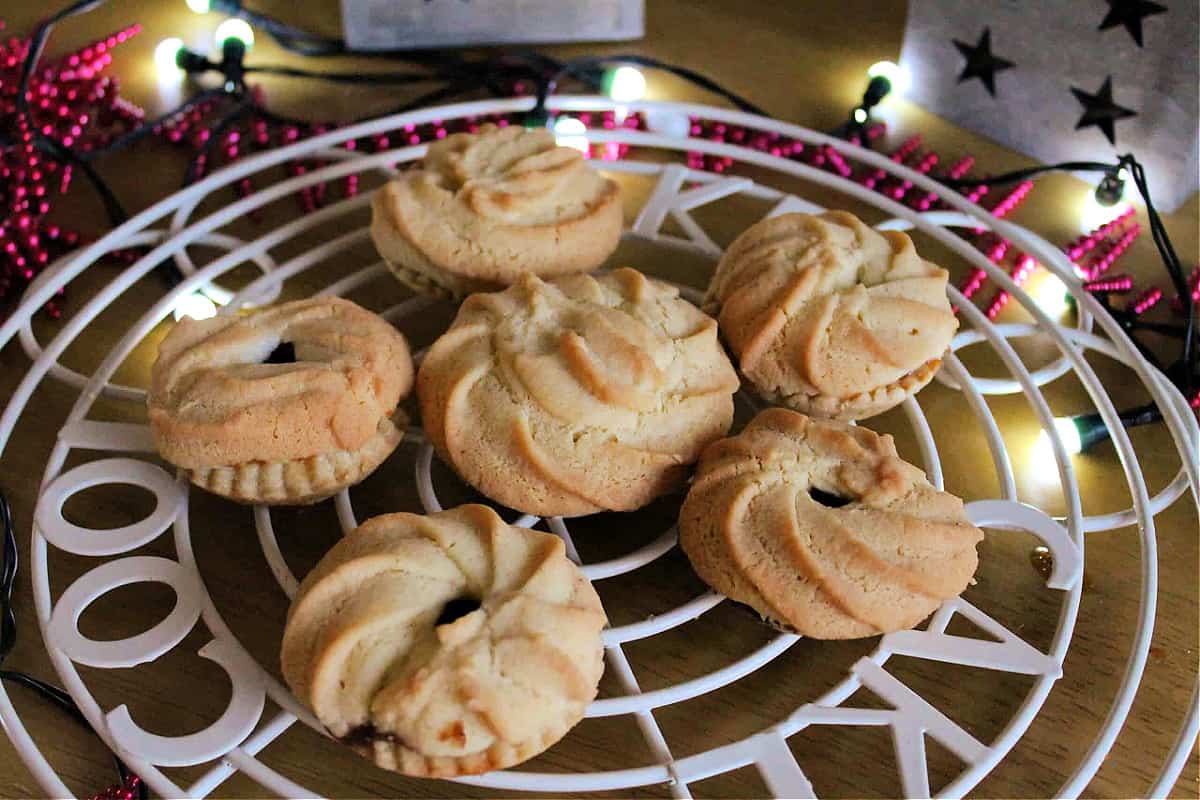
(878, 87)
(8, 637)
(37, 43)
(290, 38)
(1092, 430)
(1111, 186)
(461, 76)
(1184, 372)
(1032, 172)
(233, 68)
(586, 69)
(305, 43)
(146, 128)
(192, 172)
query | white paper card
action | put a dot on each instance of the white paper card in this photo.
(402, 24)
(1053, 47)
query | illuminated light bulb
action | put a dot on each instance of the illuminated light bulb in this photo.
(860, 115)
(164, 56)
(1093, 214)
(234, 28)
(1079, 434)
(1042, 463)
(199, 6)
(196, 306)
(895, 74)
(667, 123)
(1104, 203)
(1068, 431)
(569, 132)
(1111, 190)
(626, 84)
(1051, 295)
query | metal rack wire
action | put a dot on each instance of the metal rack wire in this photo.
(231, 743)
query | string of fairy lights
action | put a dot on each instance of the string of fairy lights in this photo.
(1106, 211)
(59, 118)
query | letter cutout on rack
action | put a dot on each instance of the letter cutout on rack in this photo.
(669, 198)
(1010, 654)
(235, 724)
(125, 437)
(1009, 515)
(83, 541)
(63, 630)
(912, 717)
(793, 205)
(778, 767)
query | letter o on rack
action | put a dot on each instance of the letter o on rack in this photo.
(63, 630)
(90, 541)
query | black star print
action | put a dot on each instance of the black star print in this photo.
(1130, 13)
(1100, 110)
(980, 61)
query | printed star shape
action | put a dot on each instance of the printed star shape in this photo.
(980, 61)
(1100, 110)
(1130, 13)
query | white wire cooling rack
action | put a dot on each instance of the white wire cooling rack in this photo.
(123, 453)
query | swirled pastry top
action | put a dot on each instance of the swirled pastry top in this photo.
(577, 395)
(213, 401)
(488, 206)
(371, 647)
(822, 527)
(825, 307)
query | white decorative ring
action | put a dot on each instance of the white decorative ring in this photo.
(97, 542)
(63, 630)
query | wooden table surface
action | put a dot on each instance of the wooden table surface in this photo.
(804, 62)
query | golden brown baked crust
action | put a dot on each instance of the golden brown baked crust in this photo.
(829, 316)
(279, 432)
(880, 557)
(302, 481)
(483, 208)
(363, 647)
(576, 396)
